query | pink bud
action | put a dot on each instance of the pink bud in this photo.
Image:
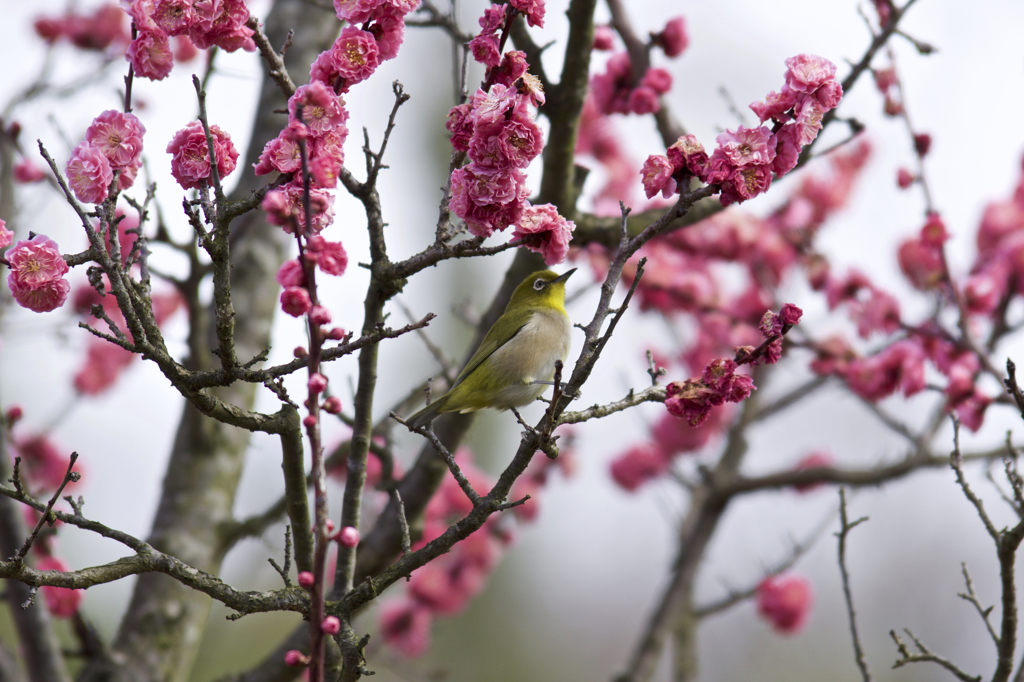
(331, 625)
(300, 352)
(785, 602)
(790, 314)
(348, 537)
(922, 143)
(320, 315)
(336, 334)
(317, 383)
(904, 178)
(309, 422)
(296, 659)
(332, 405)
(306, 580)
(295, 301)
(14, 413)
(330, 526)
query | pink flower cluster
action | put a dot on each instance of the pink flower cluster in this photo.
(96, 31)
(37, 273)
(26, 172)
(597, 138)
(444, 586)
(745, 159)
(785, 601)
(692, 399)
(497, 130)
(357, 52)
(921, 258)
(323, 131)
(204, 23)
(295, 298)
(616, 91)
(190, 155)
(43, 462)
(113, 142)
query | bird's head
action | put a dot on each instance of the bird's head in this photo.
(545, 289)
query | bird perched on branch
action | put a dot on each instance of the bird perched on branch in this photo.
(516, 360)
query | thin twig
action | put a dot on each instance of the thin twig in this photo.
(844, 530)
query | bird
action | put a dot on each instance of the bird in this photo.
(516, 360)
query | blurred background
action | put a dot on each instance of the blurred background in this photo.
(570, 597)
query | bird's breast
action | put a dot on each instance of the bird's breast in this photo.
(531, 355)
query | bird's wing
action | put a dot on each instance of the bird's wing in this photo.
(496, 337)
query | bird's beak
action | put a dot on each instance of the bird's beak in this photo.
(563, 277)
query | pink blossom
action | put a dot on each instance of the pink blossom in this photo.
(89, 173)
(545, 232)
(35, 262)
(520, 141)
(42, 462)
(281, 155)
(117, 136)
(356, 11)
(6, 236)
(673, 39)
(829, 94)
(922, 264)
(745, 183)
(460, 125)
(352, 58)
(150, 55)
(971, 412)
(983, 291)
(103, 364)
(808, 121)
(330, 256)
(643, 100)
(13, 415)
(290, 274)
(720, 378)
(491, 106)
(898, 367)
(904, 178)
(173, 17)
(747, 146)
(604, 37)
(295, 301)
(284, 207)
(638, 465)
(775, 105)
(658, 80)
(657, 176)
(884, 79)
(485, 49)
(674, 435)
(475, 188)
(389, 31)
(843, 290)
(879, 313)
(533, 11)
(184, 49)
(405, 626)
(27, 172)
(190, 156)
(687, 153)
(814, 460)
(808, 72)
(785, 602)
(221, 23)
(322, 110)
(62, 602)
(319, 315)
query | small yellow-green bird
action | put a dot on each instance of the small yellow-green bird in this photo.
(516, 360)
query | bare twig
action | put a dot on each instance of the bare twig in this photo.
(844, 530)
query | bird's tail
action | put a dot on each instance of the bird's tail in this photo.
(426, 415)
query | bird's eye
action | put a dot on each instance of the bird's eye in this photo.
(539, 284)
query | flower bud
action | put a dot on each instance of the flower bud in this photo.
(300, 352)
(14, 413)
(336, 334)
(348, 537)
(306, 580)
(317, 383)
(330, 526)
(331, 625)
(309, 422)
(320, 315)
(332, 405)
(296, 659)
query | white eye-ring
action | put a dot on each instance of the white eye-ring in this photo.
(539, 284)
